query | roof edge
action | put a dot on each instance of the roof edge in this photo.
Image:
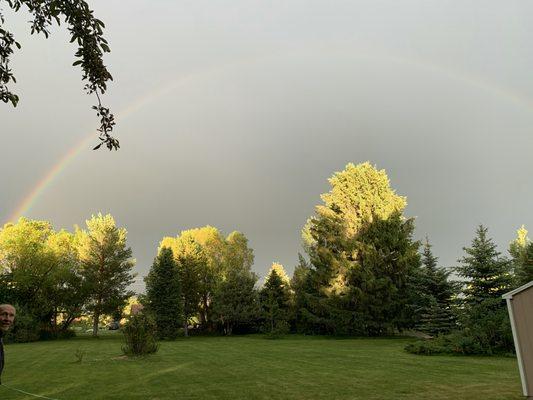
(510, 294)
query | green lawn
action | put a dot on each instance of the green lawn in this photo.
(252, 367)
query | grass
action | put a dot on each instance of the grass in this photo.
(252, 367)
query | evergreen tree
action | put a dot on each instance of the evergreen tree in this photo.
(235, 303)
(211, 262)
(189, 259)
(274, 298)
(488, 275)
(300, 287)
(387, 256)
(521, 250)
(163, 294)
(484, 315)
(437, 294)
(361, 253)
(106, 266)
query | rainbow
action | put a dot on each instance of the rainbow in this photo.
(30, 199)
(34, 194)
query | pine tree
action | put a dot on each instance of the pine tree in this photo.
(163, 295)
(437, 293)
(300, 286)
(487, 274)
(387, 256)
(274, 298)
(484, 315)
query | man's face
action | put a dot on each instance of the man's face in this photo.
(7, 317)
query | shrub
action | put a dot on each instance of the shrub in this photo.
(487, 323)
(47, 334)
(26, 328)
(281, 328)
(140, 335)
(454, 343)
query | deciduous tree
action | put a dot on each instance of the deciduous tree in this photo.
(521, 250)
(235, 302)
(106, 266)
(85, 30)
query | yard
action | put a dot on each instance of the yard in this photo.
(252, 367)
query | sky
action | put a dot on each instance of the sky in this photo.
(235, 113)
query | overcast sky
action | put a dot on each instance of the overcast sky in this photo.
(235, 113)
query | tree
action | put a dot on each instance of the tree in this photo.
(86, 31)
(235, 301)
(361, 253)
(163, 294)
(69, 292)
(521, 250)
(190, 260)
(300, 285)
(39, 271)
(379, 290)
(238, 255)
(216, 258)
(359, 195)
(437, 294)
(280, 271)
(484, 315)
(210, 271)
(27, 266)
(274, 298)
(487, 275)
(106, 266)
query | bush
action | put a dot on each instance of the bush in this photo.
(454, 343)
(26, 328)
(46, 334)
(281, 328)
(487, 323)
(140, 335)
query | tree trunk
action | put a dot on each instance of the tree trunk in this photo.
(95, 324)
(229, 329)
(186, 328)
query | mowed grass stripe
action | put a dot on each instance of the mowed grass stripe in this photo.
(252, 367)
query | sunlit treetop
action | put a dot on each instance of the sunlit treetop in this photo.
(280, 271)
(359, 194)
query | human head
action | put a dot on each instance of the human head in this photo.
(7, 316)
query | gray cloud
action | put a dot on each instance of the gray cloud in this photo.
(260, 102)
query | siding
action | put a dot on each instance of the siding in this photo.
(522, 304)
